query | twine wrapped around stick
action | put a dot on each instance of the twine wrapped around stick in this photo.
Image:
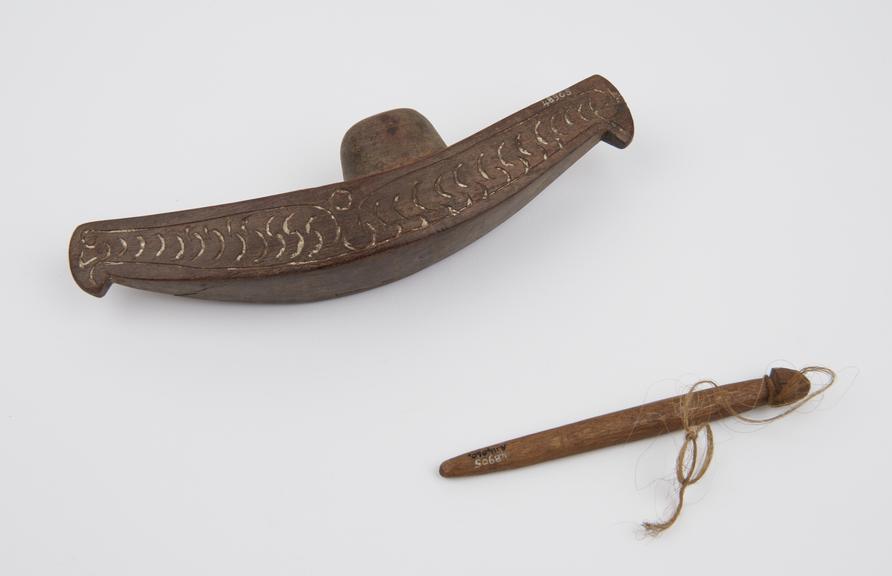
(687, 470)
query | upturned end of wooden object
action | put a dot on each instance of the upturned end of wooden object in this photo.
(92, 280)
(788, 386)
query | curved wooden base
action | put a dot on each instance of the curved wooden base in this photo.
(407, 203)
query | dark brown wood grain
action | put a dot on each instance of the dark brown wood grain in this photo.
(781, 387)
(407, 203)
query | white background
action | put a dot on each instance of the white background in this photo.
(747, 226)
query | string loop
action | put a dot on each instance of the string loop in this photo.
(689, 470)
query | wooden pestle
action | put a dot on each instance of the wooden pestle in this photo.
(782, 386)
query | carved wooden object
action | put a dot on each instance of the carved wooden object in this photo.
(407, 201)
(783, 386)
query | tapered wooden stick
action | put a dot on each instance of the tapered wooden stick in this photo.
(782, 386)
